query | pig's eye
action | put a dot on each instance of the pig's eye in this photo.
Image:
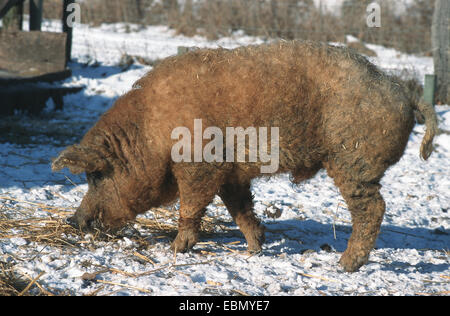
(94, 177)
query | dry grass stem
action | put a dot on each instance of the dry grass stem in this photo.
(125, 286)
(316, 277)
(140, 256)
(27, 288)
(242, 293)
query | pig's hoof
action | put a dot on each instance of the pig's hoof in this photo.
(255, 252)
(184, 241)
(255, 247)
(256, 240)
(352, 263)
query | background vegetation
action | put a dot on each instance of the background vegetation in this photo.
(408, 30)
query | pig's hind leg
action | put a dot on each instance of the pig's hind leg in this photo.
(239, 201)
(360, 187)
(367, 208)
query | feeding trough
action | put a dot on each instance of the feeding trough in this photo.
(32, 64)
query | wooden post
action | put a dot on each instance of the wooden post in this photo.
(35, 15)
(14, 18)
(67, 29)
(441, 49)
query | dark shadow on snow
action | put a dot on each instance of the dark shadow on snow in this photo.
(298, 237)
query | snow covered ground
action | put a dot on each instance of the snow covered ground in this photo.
(303, 244)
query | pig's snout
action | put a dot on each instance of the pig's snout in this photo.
(81, 220)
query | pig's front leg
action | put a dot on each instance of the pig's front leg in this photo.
(188, 230)
(238, 199)
(198, 185)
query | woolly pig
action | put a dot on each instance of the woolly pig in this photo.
(333, 110)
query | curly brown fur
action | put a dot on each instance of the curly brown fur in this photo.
(429, 114)
(334, 110)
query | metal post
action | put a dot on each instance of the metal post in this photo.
(67, 29)
(429, 89)
(35, 15)
(182, 50)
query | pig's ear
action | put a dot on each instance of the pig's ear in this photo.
(79, 159)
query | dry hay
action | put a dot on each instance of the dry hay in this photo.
(10, 283)
(54, 230)
(44, 226)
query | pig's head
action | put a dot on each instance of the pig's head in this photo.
(109, 200)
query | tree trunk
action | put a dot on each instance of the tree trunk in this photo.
(13, 20)
(441, 50)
